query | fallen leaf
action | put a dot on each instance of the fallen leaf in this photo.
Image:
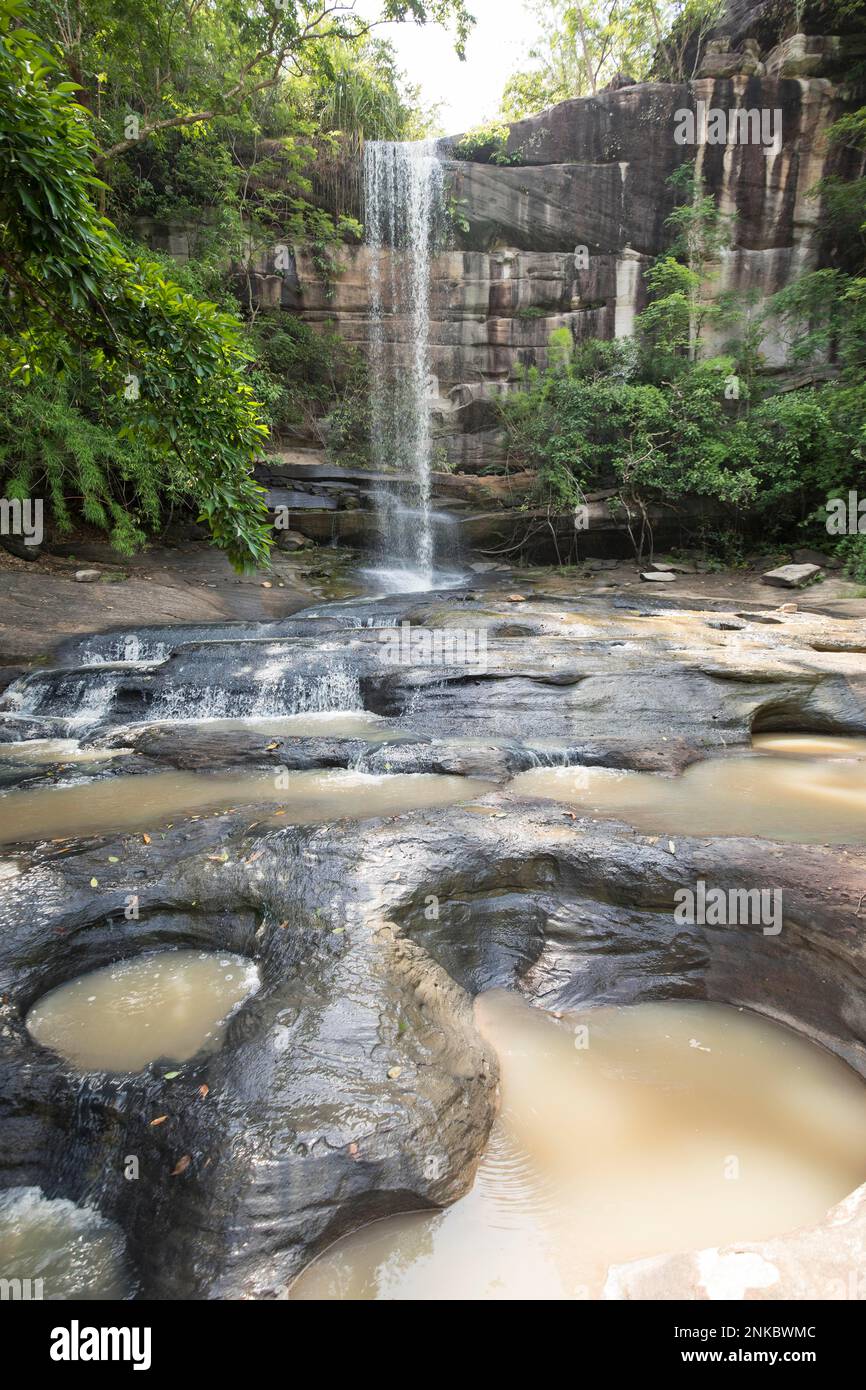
(181, 1166)
(94, 883)
(271, 746)
(203, 1090)
(283, 925)
(570, 815)
(113, 859)
(170, 1075)
(395, 1072)
(146, 839)
(160, 1120)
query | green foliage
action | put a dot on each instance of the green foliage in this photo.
(583, 44)
(592, 422)
(681, 35)
(150, 388)
(346, 427)
(178, 65)
(843, 201)
(527, 93)
(303, 373)
(665, 325)
(73, 297)
(359, 89)
(487, 144)
(852, 551)
(456, 209)
(671, 325)
(51, 447)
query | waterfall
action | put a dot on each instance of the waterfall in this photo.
(403, 204)
(129, 649)
(83, 699)
(273, 695)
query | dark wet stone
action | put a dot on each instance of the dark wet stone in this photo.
(353, 1085)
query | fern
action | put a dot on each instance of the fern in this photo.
(52, 447)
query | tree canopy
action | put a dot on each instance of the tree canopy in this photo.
(136, 390)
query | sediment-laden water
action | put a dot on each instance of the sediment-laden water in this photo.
(811, 745)
(58, 1250)
(148, 801)
(163, 1004)
(622, 1133)
(813, 800)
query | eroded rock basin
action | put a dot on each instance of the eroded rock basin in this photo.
(163, 1004)
(303, 798)
(59, 1250)
(799, 797)
(411, 872)
(622, 1133)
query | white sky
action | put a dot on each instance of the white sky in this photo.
(469, 91)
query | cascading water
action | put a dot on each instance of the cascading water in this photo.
(403, 186)
(273, 695)
(81, 699)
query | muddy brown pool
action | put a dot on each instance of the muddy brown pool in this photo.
(139, 803)
(791, 795)
(59, 1250)
(623, 1133)
(163, 1004)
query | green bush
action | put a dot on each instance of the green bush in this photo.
(592, 423)
(51, 447)
(74, 301)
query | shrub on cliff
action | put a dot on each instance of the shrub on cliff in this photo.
(597, 424)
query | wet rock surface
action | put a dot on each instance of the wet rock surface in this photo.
(350, 1086)
(823, 1262)
(353, 1085)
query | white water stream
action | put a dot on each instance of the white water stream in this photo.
(403, 200)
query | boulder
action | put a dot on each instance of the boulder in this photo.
(820, 1262)
(802, 55)
(659, 576)
(618, 81)
(87, 576)
(816, 557)
(292, 540)
(791, 576)
(720, 61)
(18, 547)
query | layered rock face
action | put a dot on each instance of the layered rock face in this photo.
(556, 230)
(597, 173)
(560, 233)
